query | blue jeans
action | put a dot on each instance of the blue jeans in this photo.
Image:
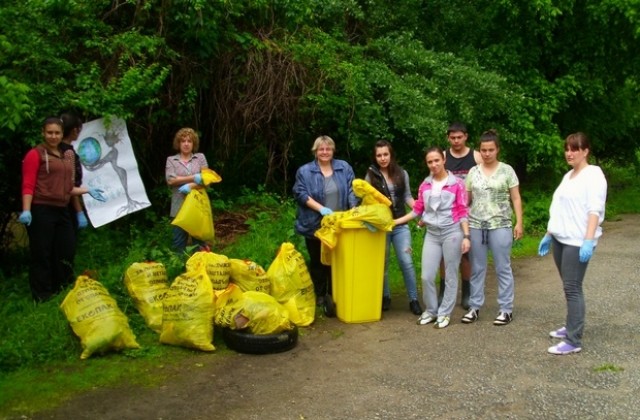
(400, 237)
(499, 242)
(572, 273)
(441, 243)
(180, 239)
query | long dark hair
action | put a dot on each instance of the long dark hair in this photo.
(577, 141)
(395, 171)
(70, 121)
(490, 135)
(435, 149)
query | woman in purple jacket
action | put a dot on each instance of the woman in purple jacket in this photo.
(442, 207)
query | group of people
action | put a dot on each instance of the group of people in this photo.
(467, 204)
(53, 212)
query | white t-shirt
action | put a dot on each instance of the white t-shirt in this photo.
(573, 201)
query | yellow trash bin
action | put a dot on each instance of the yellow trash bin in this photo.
(357, 270)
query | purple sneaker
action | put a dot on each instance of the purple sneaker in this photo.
(563, 348)
(559, 333)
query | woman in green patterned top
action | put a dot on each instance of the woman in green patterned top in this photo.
(492, 187)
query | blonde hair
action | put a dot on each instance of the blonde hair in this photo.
(186, 132)
(323, 139)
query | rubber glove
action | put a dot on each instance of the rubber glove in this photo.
(370, 227)
(82, 220)
(96, 194)
(545, 244)
(25, 218)
(325, 211)
(185, 189)
(197, 178)
(586, 250)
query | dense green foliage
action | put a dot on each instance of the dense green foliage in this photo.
(261, 79)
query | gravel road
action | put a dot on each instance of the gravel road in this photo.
(395, 369)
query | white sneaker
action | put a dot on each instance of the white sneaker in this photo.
(426, 318)
(559, 333)
(563, 348)
(442, 322)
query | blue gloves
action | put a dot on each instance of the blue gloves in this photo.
(185, 189)
(325, 211)
(197, 178)
(82, 220)
(25, 218)
(96, 194)
(545, 244)
(586, 250)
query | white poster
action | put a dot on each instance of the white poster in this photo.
(108, 163)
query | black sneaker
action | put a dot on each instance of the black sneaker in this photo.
(386, 303)
(414, 307)
(503, 318)
(471, 316)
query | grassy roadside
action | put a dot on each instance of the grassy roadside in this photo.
(39, 356)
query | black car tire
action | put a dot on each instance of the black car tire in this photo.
(243, 341)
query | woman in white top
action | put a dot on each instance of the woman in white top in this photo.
(575, 215)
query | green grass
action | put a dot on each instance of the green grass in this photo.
(39, 355)
(608, 367)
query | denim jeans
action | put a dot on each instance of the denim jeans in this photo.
(400, 237)
(572, 273)
(499, 242)
(180, 239)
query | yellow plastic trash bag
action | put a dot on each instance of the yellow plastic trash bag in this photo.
(368, 193)
(95, 318)
(377, 215)
(217, 267)
(147, 285)
(228, 304)
(375, 211)
(265, 314)
(195, 215)
(188, 311)
(249, 276)
(291, 285)
(209, 176)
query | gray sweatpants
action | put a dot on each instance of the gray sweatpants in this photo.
(441, 243)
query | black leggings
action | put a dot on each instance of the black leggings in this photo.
(320, 273)
(52, 242)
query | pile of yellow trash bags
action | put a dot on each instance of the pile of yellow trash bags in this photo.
(213, 291)
(216, 290)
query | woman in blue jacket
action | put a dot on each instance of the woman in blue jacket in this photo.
(322, 186)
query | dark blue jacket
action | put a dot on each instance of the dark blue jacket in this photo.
(310, 183)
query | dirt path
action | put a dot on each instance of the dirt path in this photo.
(395, 369)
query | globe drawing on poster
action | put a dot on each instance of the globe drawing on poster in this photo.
(108, 163)
(89, 151)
